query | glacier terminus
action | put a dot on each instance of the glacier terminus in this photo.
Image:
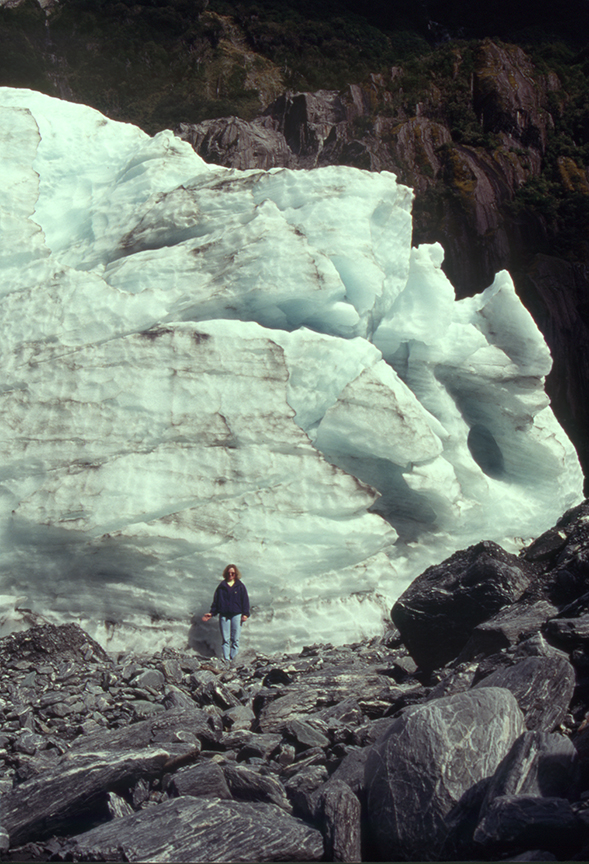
(203, 365)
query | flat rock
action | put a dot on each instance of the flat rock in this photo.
(200, 781)
(431, 755)
(166, 727)
(200, 830)
(258, 746)
(347, 711)
(305, 734)
(152, 678)
(276, 713)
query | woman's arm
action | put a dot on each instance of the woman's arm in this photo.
(214, 606)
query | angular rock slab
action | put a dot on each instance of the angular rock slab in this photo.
(277, 713)
(431, 755)
(570, 632)
(200, 781)
(543, 687)
(75, 792)
(194, 830)
(247, 785)
(507, 628)
(164, 728)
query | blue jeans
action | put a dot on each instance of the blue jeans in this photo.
(230, 630)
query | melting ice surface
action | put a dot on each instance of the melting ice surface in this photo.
(203, 366)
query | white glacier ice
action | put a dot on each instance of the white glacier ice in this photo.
(204, 365)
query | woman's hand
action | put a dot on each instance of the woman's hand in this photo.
(207, 617)
(243, 619)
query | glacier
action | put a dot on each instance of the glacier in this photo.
(204, 365)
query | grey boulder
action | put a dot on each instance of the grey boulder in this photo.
(541, 764)
(75, 792)
(248, 785)
(340, 810)
(507, 628)
(201, 781)
(570, 632)
(431, 755)
(191, 725)
(437, 613)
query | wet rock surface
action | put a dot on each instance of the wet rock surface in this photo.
(330, 754)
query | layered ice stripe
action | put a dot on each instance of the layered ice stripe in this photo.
(203, 365)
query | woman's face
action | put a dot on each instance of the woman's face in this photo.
(231, 574)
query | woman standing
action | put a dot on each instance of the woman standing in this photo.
(232, 605)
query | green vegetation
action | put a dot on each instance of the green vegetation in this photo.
(159, 62)
(153, 62)
(559, 196)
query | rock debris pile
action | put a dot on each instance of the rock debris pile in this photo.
(460, 735)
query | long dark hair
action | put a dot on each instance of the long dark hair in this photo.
(231, 567)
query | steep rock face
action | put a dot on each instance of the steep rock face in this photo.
(510, 101)
(238, 144)
(555, 292)
(298, 130)
(507, 98)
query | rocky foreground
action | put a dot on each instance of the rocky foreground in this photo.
(460, 735)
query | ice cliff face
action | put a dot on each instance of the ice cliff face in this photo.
(203, 365)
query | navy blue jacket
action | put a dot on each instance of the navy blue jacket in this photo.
(231, 601)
